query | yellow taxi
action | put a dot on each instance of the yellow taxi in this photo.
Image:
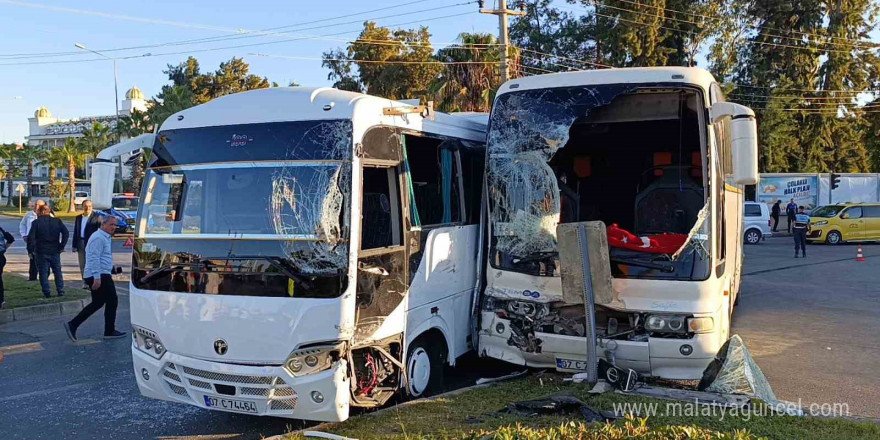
(838, 223)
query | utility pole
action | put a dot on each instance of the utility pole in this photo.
(502, 12)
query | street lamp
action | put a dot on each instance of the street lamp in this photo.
(115, 94)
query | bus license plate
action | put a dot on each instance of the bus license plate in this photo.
(571, 364)
(242, 406)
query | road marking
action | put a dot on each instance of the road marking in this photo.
(758, 272)
(21, 348)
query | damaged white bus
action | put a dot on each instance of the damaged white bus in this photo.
(299, 251)
(658, 157)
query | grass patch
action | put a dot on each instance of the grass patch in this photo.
(13, 212)
(474, 415)
(20, 292)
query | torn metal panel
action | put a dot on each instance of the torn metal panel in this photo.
(735, 372)
(381, 287)
(314, 210)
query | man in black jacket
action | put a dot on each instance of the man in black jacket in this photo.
(83, 227)
(46, 240)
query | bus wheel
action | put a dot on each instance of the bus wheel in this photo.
(424, 368)
(833, 238)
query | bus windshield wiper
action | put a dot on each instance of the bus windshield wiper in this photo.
(536, 256)
(668, 268)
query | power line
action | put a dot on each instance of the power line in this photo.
(354, 60)
(238, 46)
(568, 59)
(245, 34)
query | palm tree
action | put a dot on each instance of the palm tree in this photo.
(74, 152)
(468, 87)
(54, 159)
(96, 138)
(29, 155)
(135, 124)
(9, 154)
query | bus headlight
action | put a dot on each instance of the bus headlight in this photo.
(701, 325)
(665, 323)
(312, 360)
(148, 342)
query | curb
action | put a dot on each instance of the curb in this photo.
(41, 311)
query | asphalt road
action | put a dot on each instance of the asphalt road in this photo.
(791, 312)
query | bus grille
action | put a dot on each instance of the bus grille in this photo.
(279, 396)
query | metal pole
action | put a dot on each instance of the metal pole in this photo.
(118, 134)
(502, 12)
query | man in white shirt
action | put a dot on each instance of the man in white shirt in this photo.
(24, 228)
(98, 275)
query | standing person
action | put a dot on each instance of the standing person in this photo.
(24, 228)
(98, 273)
(799, 230)
(774, 213)
(46, 240)
(791, 212)
(4, 244)
(83, 227)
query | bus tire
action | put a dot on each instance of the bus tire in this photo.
(833, 238)
(425, 364)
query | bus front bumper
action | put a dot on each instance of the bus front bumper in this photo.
(656, 357)
(256, 390)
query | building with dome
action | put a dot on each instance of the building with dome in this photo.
(49, 131)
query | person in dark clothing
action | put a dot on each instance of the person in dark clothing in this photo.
(4, 244)
(791, 212)
(774, 213)
(83, 227)
(24, 228)
(99, 276)
(799, 230)
(46, 240)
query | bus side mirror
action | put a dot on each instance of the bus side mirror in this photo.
(744, 139)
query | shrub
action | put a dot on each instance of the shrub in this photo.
(25, 201)
(60, 205)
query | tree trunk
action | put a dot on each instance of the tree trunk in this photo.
(9, 186)
(52, 174)
(71, 179)
(30, 178)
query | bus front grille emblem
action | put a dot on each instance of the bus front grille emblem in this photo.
(220, 346)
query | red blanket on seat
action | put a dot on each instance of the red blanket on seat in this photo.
(654, 244)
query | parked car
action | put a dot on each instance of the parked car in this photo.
(124, 208)
(756, 222)
(835, 224)
(79, 197)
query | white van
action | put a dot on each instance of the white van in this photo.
(756, 222)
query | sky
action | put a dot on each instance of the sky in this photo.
(70, 85)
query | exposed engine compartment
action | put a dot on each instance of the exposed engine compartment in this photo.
(376, 372)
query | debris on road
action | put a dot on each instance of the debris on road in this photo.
(557, 404)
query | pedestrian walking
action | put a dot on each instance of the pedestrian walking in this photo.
(791, 212)
(774, 213)
(83, 227)
(24, 228)
(98, 272)
(799, 231)
(46, 240)
(5, 242)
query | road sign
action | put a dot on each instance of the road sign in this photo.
(19, 189)
(129, 243)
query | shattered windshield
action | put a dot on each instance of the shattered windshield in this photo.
(260, 202)
(565, 154)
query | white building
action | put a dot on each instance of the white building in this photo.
(48, 132)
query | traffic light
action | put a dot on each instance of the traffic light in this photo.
(835, 180)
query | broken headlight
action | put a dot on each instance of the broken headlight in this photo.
(147, 341)
(666, 324)
(312, 360)
(701, 325)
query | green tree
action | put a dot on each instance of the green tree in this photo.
(135, 124)
(401, 67)
(29, 155)
(552, 39)
(55, 160)
(96, 138)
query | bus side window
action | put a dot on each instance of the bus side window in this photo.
(473, 163)
(381, 224)
(434, 173)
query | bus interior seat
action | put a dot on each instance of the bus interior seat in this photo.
(670, 203)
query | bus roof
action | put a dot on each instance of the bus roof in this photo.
(684, 75)
(282, 104)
